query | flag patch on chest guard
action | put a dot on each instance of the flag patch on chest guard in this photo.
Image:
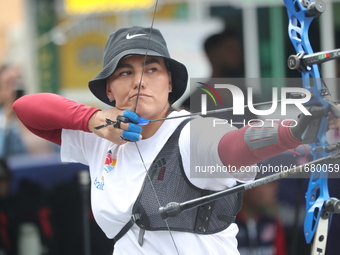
(158, 169)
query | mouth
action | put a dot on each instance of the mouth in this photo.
(140, 95)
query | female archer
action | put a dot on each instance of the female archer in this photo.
(134, 170)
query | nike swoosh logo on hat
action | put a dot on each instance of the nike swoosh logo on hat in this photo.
(132, 36)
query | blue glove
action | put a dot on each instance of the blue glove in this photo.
(133, 132)
(132, 116)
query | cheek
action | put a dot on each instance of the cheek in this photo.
(118, 90)
(164, 88)
(162, 95)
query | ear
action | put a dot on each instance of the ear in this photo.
(109, 92)
(170, 82)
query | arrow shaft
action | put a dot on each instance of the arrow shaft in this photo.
(181, 207)
(208, 112)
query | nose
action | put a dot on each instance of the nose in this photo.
(139, 81)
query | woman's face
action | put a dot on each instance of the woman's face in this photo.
(154, 81)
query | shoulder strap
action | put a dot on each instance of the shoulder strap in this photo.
(126, 227)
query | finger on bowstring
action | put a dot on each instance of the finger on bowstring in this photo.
(120, 120)
(131, 127)
(131, 136)
(132, 116)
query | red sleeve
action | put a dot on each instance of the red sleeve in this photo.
(46, 114)
(234, 151)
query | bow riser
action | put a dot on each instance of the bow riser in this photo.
(317, 193)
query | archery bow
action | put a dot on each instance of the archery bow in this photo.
(300, 14)
(318, 202)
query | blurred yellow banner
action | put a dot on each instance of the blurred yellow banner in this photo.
(73, 7)
(81, 56)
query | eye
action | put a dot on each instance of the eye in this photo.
(152, 70)
(125, 73)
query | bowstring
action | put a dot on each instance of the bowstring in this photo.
(157, 198)
(146, 55)
(139, 152)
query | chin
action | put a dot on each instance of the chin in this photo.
(149, 111)
(142, 111)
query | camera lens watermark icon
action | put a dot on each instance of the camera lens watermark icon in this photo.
(211, 91)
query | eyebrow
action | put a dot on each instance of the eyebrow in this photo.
(151, 61)
(148, 62)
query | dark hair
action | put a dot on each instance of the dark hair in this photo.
(215, 40)
(171, 99)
